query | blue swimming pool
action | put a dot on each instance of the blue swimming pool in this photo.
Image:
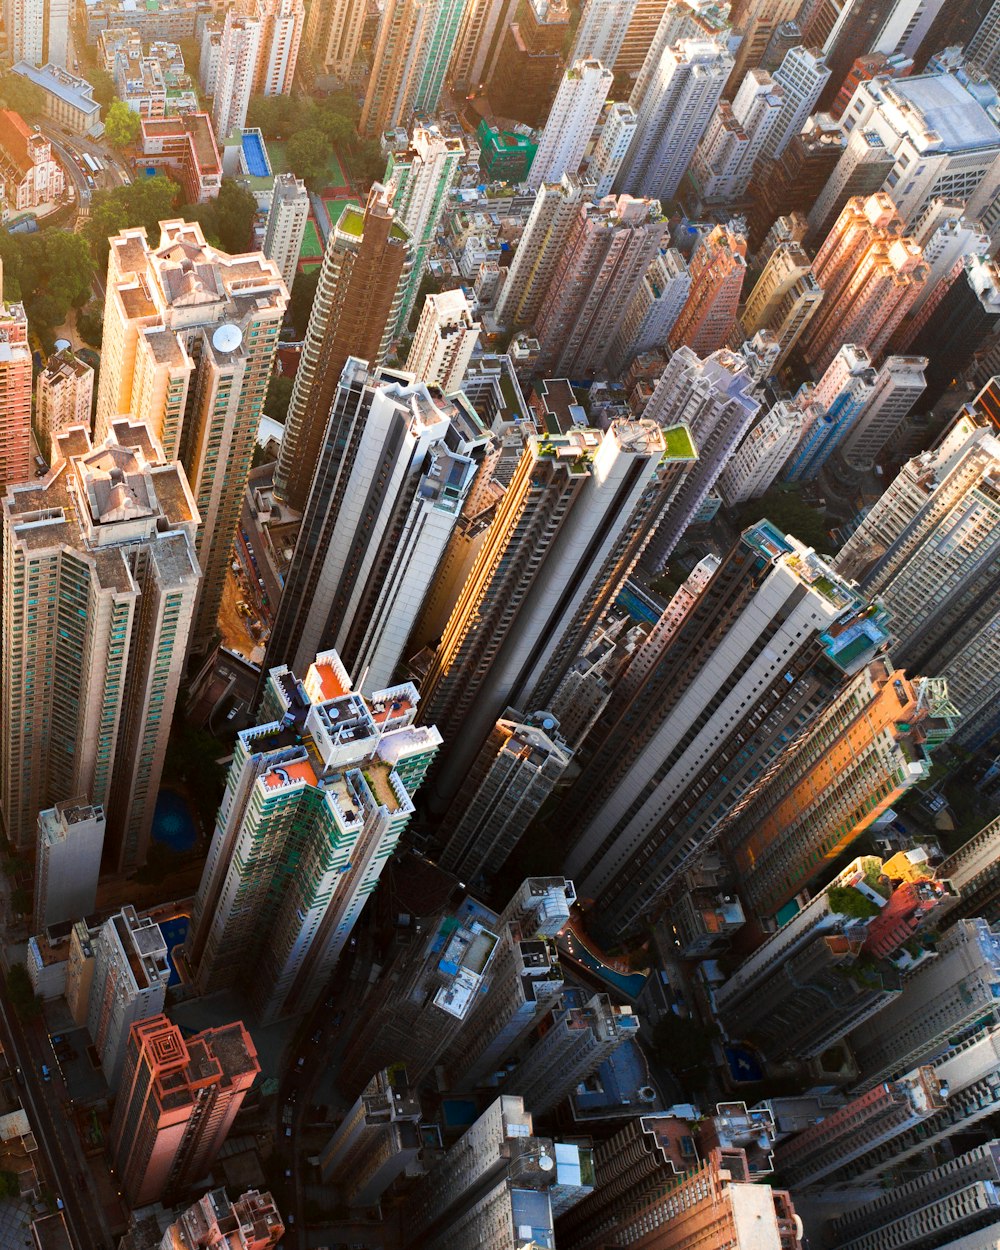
(630, 984)
(255, 156)
(174, 932)
(173, 824)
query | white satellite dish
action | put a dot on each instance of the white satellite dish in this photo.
(227, 338)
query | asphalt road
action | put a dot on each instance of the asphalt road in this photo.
(44, 1102)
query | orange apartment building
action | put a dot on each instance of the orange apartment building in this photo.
(176, 1104)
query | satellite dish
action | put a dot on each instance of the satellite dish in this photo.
(546, 1163)
(227, 338)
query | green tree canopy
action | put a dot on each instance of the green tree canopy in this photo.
(21, 95)
(303, 295)
(786, 508)
(308, 153)
(279, 393)
(52, 272)
(22, 992)
(228, 219)
(104, 89)
(121, 126)
(146, 202)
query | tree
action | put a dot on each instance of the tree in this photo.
(851, 902)
(104, 89)
(228, 219)
(52, 271)
(21, 95)
(786, 508)
(681, 1043)
(22, 992)
(146, 202)
(301, 302)
(308, 153)
(121, 126)
(90, 324)
(279, 393)
(367, 162)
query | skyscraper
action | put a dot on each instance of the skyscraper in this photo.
(944, 1001)
(15, 394)
(757, 20)
(442, 24)
(791, 183)
(712, 396)
(358, 579)
(556, 208)
(525, 73)
(784, 299)
(652, 310)
(513, 774)
(898, 385)
(37, 31)
(411, 52)
(579, 1033)
(812, 998)
(377, 1140)
(934, 156)
(106, 546)
(756, 463)
(864, 749)
(317, 796)
(67, 863)
(177, 1102)
(756, 656)
(129, 984)
(617, 132)
(190, 334)
(570, 124)
(525, 980)
(286, 225)
(607, 254)
(717, 269)
(798, 80)
(361, 282)
(734, 140)
(582, 503)
(602, 30)
(871, 276)
(830, 409)
(422, 175)
(425, 996)
(688, 1202)
(333, 35)
(674, 109)
(213, 1221)
(861, 169)
(492, 1184)
(281, 23)
(444, 341)
(478, 42)
(959, 334)
(930, 550)
(64, 393)
(943, 1202)
(239, 54)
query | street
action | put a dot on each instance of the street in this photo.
(54, 1130)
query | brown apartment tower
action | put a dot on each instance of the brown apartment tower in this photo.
(176, 1103)
(361, 282)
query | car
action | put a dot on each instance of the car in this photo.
(46, 1072)
(300, 1063)
(292, 1096)
(353, 944)
(291, 1219)
(337, 1019)
(317, 1036)
(56, 1038)
(288, 1174)
(288, 1130)
(231, 713)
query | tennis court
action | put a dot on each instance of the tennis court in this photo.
(311, 245)
(336, 207)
